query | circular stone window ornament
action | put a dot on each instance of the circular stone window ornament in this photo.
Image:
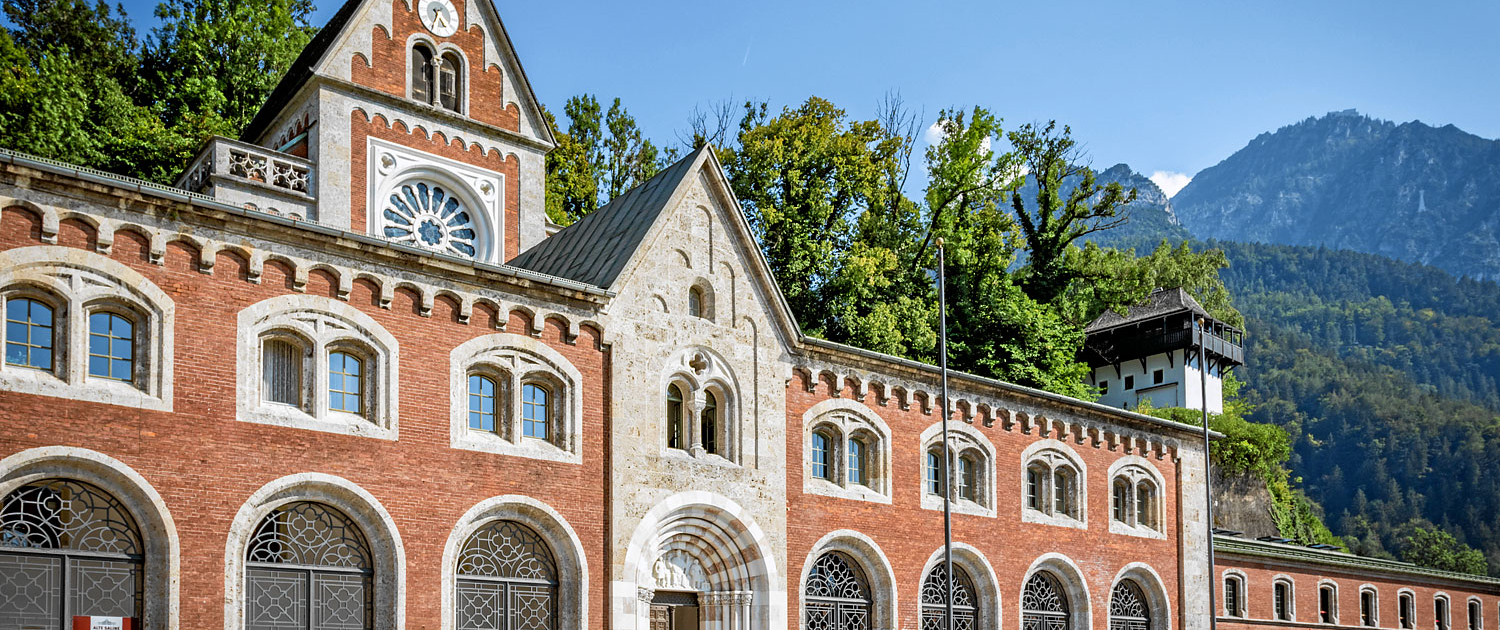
(425, 215)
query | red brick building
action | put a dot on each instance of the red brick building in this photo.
(346, 375)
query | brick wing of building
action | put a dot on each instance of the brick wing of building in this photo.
(346, 375)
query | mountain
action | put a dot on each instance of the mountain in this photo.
(1150, 216)
(1411, 191)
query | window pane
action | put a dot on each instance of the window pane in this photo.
(674, 418)
(344, 382)
(111, 348)
(1061, 490)
(534, 411)
(28, 333)
(448, 81)
(1033, 489)
(820, 455)
(481, 403)
(1120, 496)
(934, 472)
(856, 462)
(1143, 500)
(421, 74)
(709, 423)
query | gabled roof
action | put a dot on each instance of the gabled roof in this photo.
(1160, 303)
(595, 249)
(312, 56)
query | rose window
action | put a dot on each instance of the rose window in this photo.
(427, 216)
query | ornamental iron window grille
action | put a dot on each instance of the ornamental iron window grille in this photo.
(28, 333)
(934, 599)
(67, 548)
(1044, 605)
(425, 215)
(1127, 607)
(507, 579)
(837, 597)
(308, 567)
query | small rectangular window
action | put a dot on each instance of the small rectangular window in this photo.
(1475, 623)
(1232, 596)
(1158, 377)
(281, 368)
(1404, 611)
(1367, 608)
(1129, 383)
(1325, 605)
(1282, 597)
(1440, 610)
(1104, 388)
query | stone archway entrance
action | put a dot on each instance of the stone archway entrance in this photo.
(698, 565)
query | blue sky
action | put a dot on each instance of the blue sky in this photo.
(1164, 86)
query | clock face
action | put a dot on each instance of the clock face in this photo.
(439, 16)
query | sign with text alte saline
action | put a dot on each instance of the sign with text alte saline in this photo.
(105, 623)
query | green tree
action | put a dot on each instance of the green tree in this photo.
(212, 63)
(571, 189)
(803, 178)
(599, 157)
(1060, 214)
(1438, 549)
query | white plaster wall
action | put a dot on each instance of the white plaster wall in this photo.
(1180, 387)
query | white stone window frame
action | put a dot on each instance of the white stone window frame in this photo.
(1135, 470)
(1446, 621)
(1291, 597)
(1242, 589)
(1410, 596)
(77, 283)
(1154, 589)
(568, 555)
(1070, 577)
(438, 50)
(1333, 614)
(1052, 454)
(1474, 604)
(696, 370)
(963, 439)
(1374, 606)
(387, 552)
(518, 360)
(843, 419)
(482, 191)
(326, 325)
(705, 292)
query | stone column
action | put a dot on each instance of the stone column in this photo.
(694, 426)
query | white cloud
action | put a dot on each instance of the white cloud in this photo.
(1170, 182)
(934, 134)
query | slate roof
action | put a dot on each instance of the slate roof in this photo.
(299, 72)
(596, 248)
(1160, 303)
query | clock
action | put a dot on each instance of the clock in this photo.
(439, 16)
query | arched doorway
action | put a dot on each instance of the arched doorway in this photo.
(837, 595)
(696, 562)
(69, 549)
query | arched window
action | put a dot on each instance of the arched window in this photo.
(1476, 621)
(111, 346)
(968, 478)
(675, 437)
(58, 534)
(308, 566)
(421, 73)
(1053, 488)
(935, 599)
(29, 338)
(1233, 594)
(934, 475)
(282, 359)
(1440, 612)
(450, 82)
(346, 380)
(482, 402)
(534, 418)
(820, 455)
(857, 461)
(1368, 608)
(1127, 607)
(1120, 498)
(709, 423)
(1044, 604)
(1405, 610)
(837, 597)
(1328, 602)
(1281, 600)
(507, 578)
(1064, 491)
(695, 302)
(1145, 504)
